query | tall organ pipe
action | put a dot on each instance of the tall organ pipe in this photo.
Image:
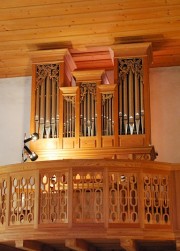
(53, 107)
(48, 100)
(42, 106)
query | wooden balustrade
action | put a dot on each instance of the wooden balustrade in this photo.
(109, 193)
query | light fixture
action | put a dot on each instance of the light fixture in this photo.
(27, 153)
(33, 137)
(32, 155)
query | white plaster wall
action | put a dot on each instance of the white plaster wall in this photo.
(165, 115)
(165, 112)
(14, 117)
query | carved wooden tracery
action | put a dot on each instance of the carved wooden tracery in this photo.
(3, 200)
(88, 197)
(156, 199)
(22, 199)
(123, 198)
(53, 197)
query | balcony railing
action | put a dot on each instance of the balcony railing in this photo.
(102, 192)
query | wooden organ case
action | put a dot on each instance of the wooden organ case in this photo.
(83, 113)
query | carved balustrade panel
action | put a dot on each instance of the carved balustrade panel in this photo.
(22, 199)
(3, 200)
(156, 199)
(88, 196)
(54, 197)
(123, 198)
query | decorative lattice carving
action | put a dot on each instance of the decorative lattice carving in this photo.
(123, 198)
(47, 70)
(3, 200)
(53, 197)
(127, 65)
(156, 199)
(88, 197)
(22, 199)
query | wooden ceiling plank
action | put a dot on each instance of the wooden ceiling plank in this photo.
(19, 3)
(77, 8)
(87, 18)
(85, 30)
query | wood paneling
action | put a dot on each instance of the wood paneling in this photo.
(27, 26)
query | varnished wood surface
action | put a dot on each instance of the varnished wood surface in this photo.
(91, 236)
(27, 26)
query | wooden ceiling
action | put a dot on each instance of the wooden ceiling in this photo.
(80, 25)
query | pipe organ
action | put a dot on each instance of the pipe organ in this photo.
(95, 116)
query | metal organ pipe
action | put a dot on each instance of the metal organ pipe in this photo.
(42, 115)
(142, 105)
(53, 107)
(57, 111)
(131, 102)
(37, 110)
(48, 100)
(125, 105)
(137, 104)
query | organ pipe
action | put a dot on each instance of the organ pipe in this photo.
(47, 115)
(42, 115)
(37, 111)
(125, 112)
(53, 108)
(57, 110)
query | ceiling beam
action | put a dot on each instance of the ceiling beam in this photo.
(128, 244)
(31, 245)
(78, 245)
